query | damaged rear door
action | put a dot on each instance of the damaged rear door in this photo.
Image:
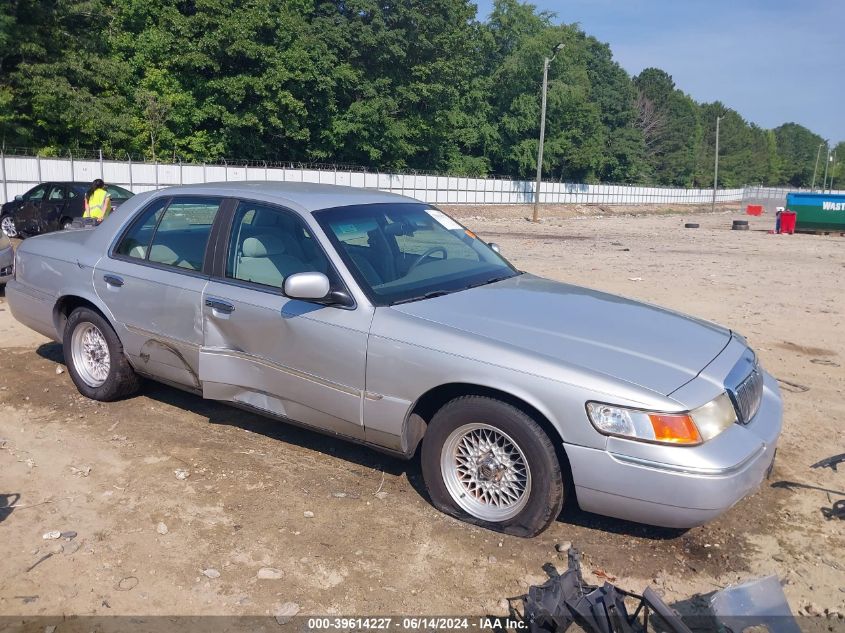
(152, 283)
(294, 359)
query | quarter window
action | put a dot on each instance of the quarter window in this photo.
(268, 244)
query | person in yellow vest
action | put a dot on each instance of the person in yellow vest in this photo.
(97, 202)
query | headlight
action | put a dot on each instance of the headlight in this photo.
(688, 429)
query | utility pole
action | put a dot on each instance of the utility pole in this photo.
(826, 165)
(546, 62)
(716, 166)
(816, 168)
(832, 171)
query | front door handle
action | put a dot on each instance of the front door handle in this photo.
(221, 306)
(113, 280)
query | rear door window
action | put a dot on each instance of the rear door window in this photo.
(173, 232)
(182, 233)
(56, 193)
(136, 242)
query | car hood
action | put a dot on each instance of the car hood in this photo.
(639, 343)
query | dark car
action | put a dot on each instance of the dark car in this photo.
(51, 206)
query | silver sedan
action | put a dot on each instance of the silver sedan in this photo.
(380, 319)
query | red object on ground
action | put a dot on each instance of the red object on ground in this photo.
(754, 209)
(787, 222)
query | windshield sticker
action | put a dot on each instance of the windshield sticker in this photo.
(444, 220)
(346, 229)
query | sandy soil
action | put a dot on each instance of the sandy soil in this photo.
(374, 545)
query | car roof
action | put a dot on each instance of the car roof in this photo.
(75, 183)
(306, 195)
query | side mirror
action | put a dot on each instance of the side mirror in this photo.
(495, 247)
(312, 285)
(18, 197)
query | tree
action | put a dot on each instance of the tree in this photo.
(672, 146)
(387, 84)
(798, 149)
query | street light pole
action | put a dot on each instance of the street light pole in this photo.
(816, 168)
(716, 166)
(826, 165)
(546, 62)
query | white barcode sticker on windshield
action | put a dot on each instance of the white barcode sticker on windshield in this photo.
(444, 220)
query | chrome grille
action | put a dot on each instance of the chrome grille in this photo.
(748, 394)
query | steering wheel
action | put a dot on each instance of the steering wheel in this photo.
(431, 251)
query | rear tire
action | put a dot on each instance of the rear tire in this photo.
(95, 359)
(66, 223)
(489, 463)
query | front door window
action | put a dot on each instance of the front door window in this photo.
(268, 244)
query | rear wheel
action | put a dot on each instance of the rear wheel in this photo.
(95, 359)
(66, 223)
(7, 225)
(489, 463)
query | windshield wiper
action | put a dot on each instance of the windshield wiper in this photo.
(492, 280)
(427, 295)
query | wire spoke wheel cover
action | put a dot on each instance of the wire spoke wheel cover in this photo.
(91, 357)
(485, 472)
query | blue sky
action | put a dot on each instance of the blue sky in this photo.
(773, 61)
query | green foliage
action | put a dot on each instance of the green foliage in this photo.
(388, 84)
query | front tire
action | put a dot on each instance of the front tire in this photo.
(95, 359)
(489, 463)
(7, 225)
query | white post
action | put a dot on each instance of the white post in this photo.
(3, 165)
(536, 217)
(716, 167)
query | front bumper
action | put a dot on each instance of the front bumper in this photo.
(683, 487)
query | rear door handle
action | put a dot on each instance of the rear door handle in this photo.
(113, 280)
(221, 306)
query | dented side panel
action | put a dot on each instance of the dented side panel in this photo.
(159, 317)
(290, 358)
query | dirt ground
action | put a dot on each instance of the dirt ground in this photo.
(374, 544)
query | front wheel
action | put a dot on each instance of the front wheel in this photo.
(7, 225)
(489, 463)
(95, 359)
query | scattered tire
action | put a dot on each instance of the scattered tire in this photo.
(488, 463)
(690, 225)
(740, 225)
(95, 359)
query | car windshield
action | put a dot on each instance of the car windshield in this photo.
(410, 251)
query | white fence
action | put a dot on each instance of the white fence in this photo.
(20, 173)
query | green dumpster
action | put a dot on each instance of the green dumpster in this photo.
(817, 211)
